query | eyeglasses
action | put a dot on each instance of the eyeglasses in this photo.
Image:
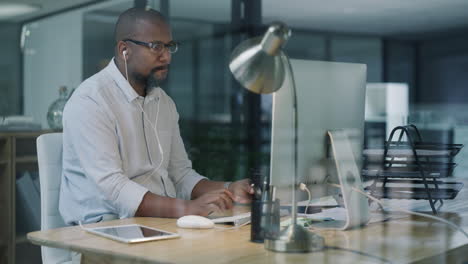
(157, 46)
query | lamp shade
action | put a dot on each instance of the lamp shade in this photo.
(257, 63)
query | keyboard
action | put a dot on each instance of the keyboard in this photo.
(236, 220)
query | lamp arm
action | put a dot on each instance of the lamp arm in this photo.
(290, 74)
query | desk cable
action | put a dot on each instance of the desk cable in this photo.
(81, 226)
(303, 187)
(381, 259)
(454, 226)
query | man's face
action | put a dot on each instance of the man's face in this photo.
(146, 65)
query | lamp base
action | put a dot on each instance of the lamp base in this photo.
(295, 239)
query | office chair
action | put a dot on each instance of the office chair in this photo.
(49, 156)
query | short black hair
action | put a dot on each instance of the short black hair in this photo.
(130, 18)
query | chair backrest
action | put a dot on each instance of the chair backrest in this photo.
(49, 155)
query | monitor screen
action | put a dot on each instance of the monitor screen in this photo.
(330, 96)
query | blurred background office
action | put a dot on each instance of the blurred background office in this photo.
(416, 54)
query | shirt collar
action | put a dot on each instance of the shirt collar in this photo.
(125, 86)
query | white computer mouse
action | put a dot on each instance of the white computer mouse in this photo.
(194, 221)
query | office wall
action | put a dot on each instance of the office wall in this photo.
(54, 57)
(365, 50)
(310, 46)
(200, 84)
(339, 48)
(399, 63)
(98, 35)
(98, 41)
(443, 70)
(181, 80)
(10, 68)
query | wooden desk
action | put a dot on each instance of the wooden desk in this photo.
(405, 240)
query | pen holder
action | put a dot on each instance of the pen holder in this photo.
(265, 220)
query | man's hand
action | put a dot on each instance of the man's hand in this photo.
(242, 191)
(218, 200)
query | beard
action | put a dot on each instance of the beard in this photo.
(151, 81)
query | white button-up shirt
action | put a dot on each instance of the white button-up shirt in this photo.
(111, 156)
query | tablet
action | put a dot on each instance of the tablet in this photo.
(131, 233)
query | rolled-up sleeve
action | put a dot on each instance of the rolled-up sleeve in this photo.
(180, 167)
(93, 135)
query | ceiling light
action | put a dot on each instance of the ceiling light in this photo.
(9, 10)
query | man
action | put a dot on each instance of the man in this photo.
(122, 151)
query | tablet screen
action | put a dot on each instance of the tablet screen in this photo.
(132, 233)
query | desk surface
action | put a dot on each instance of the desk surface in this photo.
(403, 240)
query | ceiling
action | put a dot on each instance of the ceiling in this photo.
(376, 17)
(382, 17)
(45, 6)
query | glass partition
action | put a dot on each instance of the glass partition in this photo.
(227, 130)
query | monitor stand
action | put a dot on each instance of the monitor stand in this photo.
(356, 204)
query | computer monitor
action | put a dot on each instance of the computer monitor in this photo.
(330, 96)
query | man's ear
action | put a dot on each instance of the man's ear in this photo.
(122, 49)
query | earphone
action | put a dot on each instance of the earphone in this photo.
(124, 53)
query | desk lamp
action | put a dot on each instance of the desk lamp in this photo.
(260, 66)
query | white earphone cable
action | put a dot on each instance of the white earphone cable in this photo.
(153, 126)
